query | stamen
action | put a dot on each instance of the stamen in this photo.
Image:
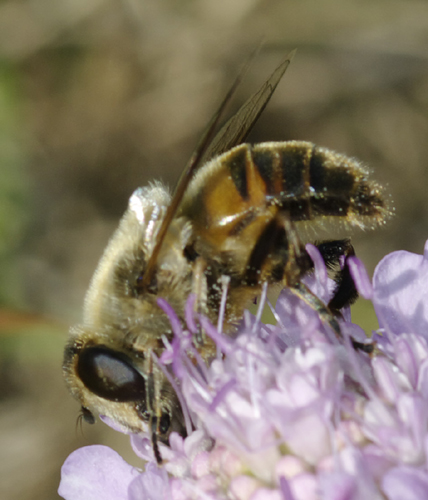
(223, 343)
(261, 307)
(321, 274)
(285, 489)
(172, 316)
(189, 314)
(225, 280)
(221, 394)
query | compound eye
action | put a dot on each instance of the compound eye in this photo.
(110, 375)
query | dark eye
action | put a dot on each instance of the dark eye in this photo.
(164, 423)
(110, 375)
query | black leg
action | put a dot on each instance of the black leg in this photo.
(345, 292)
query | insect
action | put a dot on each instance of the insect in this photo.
(239, 210)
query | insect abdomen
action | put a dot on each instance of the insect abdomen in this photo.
(311, 182)
(247, 186)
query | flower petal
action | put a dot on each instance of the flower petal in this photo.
(405, 483)
(96, 473)
(152, 484)
(400, 285)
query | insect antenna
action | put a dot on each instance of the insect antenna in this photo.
(231, 134)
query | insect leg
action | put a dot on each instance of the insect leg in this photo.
(345, 292)
(154, 410)
(304, 293)
(332, 250)
(298, 264)
(277, 256)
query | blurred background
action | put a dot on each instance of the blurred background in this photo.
(98, 97)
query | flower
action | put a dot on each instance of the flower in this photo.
(289, 411)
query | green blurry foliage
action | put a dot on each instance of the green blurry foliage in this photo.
(14, 189)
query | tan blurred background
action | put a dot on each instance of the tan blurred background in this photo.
(98, 97)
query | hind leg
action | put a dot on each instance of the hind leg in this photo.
(345, 292)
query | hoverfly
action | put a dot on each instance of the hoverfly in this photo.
(237, 211)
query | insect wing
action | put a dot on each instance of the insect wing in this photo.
(238, 127)
(231, 134)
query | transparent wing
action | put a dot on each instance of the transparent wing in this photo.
(238, 127)
(231, 134)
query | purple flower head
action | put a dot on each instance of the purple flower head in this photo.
(289, 412)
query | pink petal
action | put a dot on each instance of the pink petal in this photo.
(96, 473)
(400, 285)
(405, 483)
